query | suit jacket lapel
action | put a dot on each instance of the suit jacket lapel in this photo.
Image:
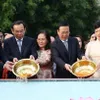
(15, 46)
(69, 47)
(24, 44)
(62, 47)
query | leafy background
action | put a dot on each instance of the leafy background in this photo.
(46, 14)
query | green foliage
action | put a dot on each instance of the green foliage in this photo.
(46, 14)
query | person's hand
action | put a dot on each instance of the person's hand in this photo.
(97, 73)
(37, 61)
(8, 65)
(68, 67)
(98, 66)
(15, 60)
(84, 58)
(32, 57)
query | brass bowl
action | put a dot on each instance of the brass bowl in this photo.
(25, 68)
(83, 68)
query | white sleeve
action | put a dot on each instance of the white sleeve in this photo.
(87, 52)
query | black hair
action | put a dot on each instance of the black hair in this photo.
(47, 37)
(63, 23)
(97, 24)
(18, 23)
(83, 45)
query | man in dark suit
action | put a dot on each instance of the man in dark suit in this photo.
(12, 50)
(3, 61)
(19, 46)
(65, 51)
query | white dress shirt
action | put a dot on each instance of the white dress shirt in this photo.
(19, 43)
(65, 42)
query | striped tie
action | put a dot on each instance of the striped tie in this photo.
(66, 44)
(19, 42)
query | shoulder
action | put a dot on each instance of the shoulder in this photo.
(28, 38)
(48, 51)
(72, 39)
(57, 41)
(9, 39)
(91, 43)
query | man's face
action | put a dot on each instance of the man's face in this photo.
(97, 33)
(63, 32)
(18, 31)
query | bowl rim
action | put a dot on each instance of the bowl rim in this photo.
(84, 75)
(38, 67)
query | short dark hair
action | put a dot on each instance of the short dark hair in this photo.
(63, 23)
(97, 24)
(18, 23)
(47, 35)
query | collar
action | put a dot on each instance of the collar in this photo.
(19, 39)
(64, 40)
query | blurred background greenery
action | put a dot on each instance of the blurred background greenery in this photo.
(46, 14)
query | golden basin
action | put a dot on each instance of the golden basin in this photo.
(83, 68)
(25, 68)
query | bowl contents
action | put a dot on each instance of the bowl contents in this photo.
(83, 68)
(84, 71)
(25, 68)
(26, 71)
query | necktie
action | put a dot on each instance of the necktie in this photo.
(19, 42)
(66, 44)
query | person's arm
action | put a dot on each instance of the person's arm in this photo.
(44, 57)
(87, 52)
(56, 58)
(7, 51)
(8, 65)
(3, 57)
(1, 69)
(33, 50)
